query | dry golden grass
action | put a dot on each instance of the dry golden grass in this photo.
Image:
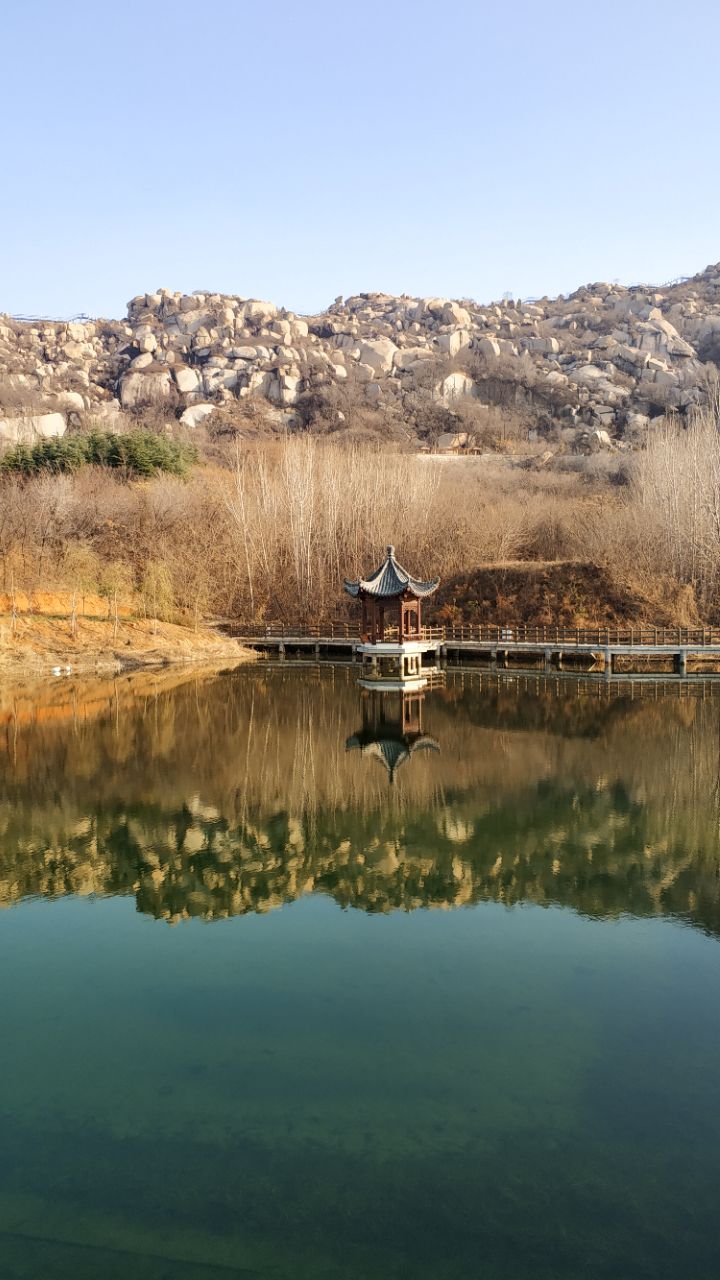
(42, 642)
(273, 534)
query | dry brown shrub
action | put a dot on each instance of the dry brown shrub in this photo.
(274, 535)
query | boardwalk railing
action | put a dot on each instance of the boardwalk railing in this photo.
(296, 631)
(510, 634)
(601, 637)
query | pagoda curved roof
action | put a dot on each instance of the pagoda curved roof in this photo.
(391, 580)
(391, 751)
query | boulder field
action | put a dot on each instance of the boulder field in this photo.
(607, 356)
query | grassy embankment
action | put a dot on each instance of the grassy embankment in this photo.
(44, 636)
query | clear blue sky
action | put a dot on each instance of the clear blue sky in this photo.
(298, 150)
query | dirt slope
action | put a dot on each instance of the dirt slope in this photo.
(555, 593)
(39, 642)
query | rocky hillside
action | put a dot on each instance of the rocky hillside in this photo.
(606, 357)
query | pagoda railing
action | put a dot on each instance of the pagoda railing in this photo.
(644, 636)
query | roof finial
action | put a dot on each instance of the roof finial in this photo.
(391, 550)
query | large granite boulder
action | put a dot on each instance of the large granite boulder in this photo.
(187, 380)
(26, 430)
(378, 354)
(456, 386)
(145, 388)
(196, 414)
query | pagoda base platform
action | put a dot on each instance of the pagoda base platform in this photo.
(400, 663)
(388, 684)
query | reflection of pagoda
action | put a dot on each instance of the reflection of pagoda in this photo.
(392, 729)
(392, 637)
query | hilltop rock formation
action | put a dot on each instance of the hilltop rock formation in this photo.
(607, 356)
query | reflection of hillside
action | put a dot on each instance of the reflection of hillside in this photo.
(236, 794)
(489, 701)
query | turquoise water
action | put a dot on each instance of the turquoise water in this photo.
(266, 1012)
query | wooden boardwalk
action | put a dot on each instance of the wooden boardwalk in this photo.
(598, 648)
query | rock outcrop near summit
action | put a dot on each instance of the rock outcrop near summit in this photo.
(606, 356)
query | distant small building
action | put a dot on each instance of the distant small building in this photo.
(452, 442)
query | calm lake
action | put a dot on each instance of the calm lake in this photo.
(299, 982)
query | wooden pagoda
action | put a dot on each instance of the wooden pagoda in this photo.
(391, 593)
(391, 627)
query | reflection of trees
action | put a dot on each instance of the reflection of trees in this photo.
(235, 795)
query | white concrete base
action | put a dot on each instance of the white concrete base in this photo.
(392, 685)
(393, 650)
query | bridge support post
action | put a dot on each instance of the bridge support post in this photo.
(548, 658)
(681, 662)
(317, 650)
(281, 650)
(608, 669)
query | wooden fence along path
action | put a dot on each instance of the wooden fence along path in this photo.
(479, 633)
(600, 646)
